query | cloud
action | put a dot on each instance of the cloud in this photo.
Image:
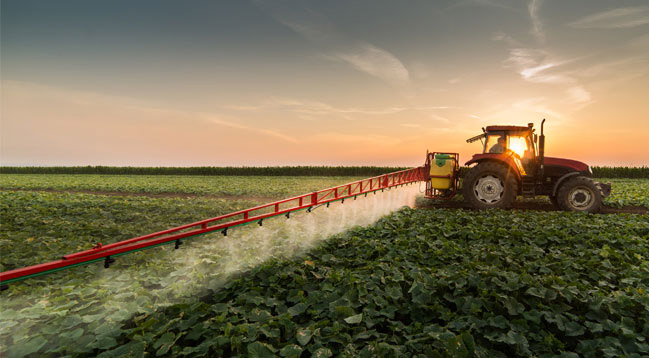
(536, 105)
(266, 132)
(501, 4)
(537, 66)
(376, 62)
(617, 68)
(579, 94)
(537, 28)
(317, 108)
(439, 118)
(372, 140)
(321, 108)
(500, 36)
(361, 55)
(624, 17)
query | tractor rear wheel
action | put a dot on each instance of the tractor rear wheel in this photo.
(579, 194)
(489, 185)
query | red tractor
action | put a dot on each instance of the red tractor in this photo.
(513, 163)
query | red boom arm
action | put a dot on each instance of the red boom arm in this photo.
(222, 223)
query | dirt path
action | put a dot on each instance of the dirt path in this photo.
(262, 199)
(537, 207)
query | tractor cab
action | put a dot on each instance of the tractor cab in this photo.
(513, 141)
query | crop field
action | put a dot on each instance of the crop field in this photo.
(250, 186)
(336, 282)
(627, 192)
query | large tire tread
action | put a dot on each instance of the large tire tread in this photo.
(579, 181)
(504, 173)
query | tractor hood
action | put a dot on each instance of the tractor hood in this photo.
(566, 163)
(571, 165)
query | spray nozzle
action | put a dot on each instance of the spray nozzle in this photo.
(109, 260)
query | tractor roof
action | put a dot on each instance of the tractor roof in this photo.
(507, 128)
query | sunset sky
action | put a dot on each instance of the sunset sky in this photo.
(256, 83)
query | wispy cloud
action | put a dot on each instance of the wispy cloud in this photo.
(537, 66)
(361, 55)
(624, 17)
(439, 118)
(376, 62)
(579, 94)
(501, 36)
(536, 105)
(501, 4)
(615, 72)
(537, 27)
(318, 108)
(263, 131)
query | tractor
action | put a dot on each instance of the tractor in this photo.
(513, 163)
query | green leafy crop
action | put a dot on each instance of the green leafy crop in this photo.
(427, 283)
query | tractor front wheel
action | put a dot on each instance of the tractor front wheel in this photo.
(579, 194)
(489, 185)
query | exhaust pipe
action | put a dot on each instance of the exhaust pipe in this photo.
(541, 152)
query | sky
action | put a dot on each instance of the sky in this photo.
(265, 83)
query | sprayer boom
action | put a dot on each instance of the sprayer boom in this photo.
(108, 253)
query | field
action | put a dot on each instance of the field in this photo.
(213, 186)
(425, 281)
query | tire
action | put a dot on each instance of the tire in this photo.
(490, 185)
(579, 194)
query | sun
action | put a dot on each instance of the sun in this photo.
(518, 145)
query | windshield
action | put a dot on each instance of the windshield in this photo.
(495, 143)
(518, 145)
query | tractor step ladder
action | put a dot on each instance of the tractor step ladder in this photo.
(528, 183)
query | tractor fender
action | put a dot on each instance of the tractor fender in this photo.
(503, 159)
(563, 178)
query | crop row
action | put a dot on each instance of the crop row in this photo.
(364, 171)
(251, 186)
(626, 192)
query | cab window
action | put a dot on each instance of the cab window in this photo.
(518, 145)
(495, 143)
